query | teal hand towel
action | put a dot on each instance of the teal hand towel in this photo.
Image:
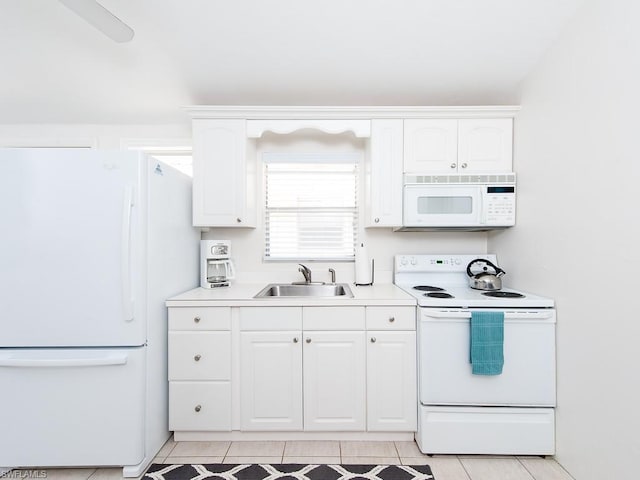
(487, 343)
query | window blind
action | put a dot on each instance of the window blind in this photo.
(311, 207)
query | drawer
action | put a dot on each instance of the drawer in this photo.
(391, 318)
(270, 318)
(199, 355)
(200, 318)
(333, 318)
(200, 406)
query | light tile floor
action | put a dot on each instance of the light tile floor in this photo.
(444, 467)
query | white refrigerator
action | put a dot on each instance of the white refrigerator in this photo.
(92, 244)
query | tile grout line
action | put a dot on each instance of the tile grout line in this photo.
(92, 473)
(226, 453)
(464, 468)
(526, 469)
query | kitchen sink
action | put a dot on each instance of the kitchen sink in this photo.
(305, 290)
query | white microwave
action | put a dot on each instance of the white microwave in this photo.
(463, 202)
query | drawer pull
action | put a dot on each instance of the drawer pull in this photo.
(308, 340)
(196, 319)
(198, 408)
(295, 340)
(373, 339)
(392, 319)
(197, 357)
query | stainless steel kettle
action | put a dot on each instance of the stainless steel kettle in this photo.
(485, 280)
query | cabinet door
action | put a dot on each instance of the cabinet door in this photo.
(485, 145)
(392, 402)
(384, 174)
(271, 380)
(334, 381)
(430, 145)
(220, 174)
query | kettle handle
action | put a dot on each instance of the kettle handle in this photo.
(498, 271)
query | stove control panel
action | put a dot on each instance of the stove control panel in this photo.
(437, 263)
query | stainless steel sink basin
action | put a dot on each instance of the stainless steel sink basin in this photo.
(305, 290)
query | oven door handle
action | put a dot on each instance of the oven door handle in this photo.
(508, 315)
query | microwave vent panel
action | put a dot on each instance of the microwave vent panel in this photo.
(508, 178)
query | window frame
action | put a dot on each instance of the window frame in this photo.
(350, 157)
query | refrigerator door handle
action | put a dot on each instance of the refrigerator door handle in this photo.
(127, 300)
(63, 362)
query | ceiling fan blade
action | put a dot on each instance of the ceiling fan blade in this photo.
(101, 18)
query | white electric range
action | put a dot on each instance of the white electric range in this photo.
(463, 413)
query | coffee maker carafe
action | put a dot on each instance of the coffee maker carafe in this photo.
(216, 267)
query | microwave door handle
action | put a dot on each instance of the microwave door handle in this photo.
(483, 214)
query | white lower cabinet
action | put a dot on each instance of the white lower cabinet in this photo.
(334, 381)
(333, 368)
(391, 381)
(199, 369)
(271, 380)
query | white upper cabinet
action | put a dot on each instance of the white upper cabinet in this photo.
(430, 145)
(224, 181)
(474, 145)
(485, 145)
(383, 197)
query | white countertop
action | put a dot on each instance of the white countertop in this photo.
(241, 294)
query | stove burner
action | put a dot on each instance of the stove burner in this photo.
(428, 288)
(438, 295)
(503, 294)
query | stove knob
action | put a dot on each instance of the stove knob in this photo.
(413, 261)
(457, 261)
(403, 261)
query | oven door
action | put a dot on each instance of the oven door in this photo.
(442, 206)
(528, 376)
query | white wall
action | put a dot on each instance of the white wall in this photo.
(578, 227)
(97, 136)
(382, 244)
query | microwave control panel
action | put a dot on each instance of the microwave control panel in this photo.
(500, 205)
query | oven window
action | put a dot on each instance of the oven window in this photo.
(445, 205)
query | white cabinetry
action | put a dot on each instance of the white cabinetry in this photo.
(334, 381)
(200, 369)
(312, 368)
(271, 380)
(384, 174)
(472, 145)
(223, 174)
(391, 369)
(274, 386)
(271, 368)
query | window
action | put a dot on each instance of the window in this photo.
(311, 206)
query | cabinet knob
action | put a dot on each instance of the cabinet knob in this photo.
(308, 340)
(197, 358)
(392, 319)
(373, 339)
(198, 408)
(453, 165)
(464, 165)
(239, 220)
(196, 319)
(295, 340)
(377, 220)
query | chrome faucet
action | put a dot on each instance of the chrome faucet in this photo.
(333, 275)
(306, 273)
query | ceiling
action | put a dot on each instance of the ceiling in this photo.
(58, 69)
